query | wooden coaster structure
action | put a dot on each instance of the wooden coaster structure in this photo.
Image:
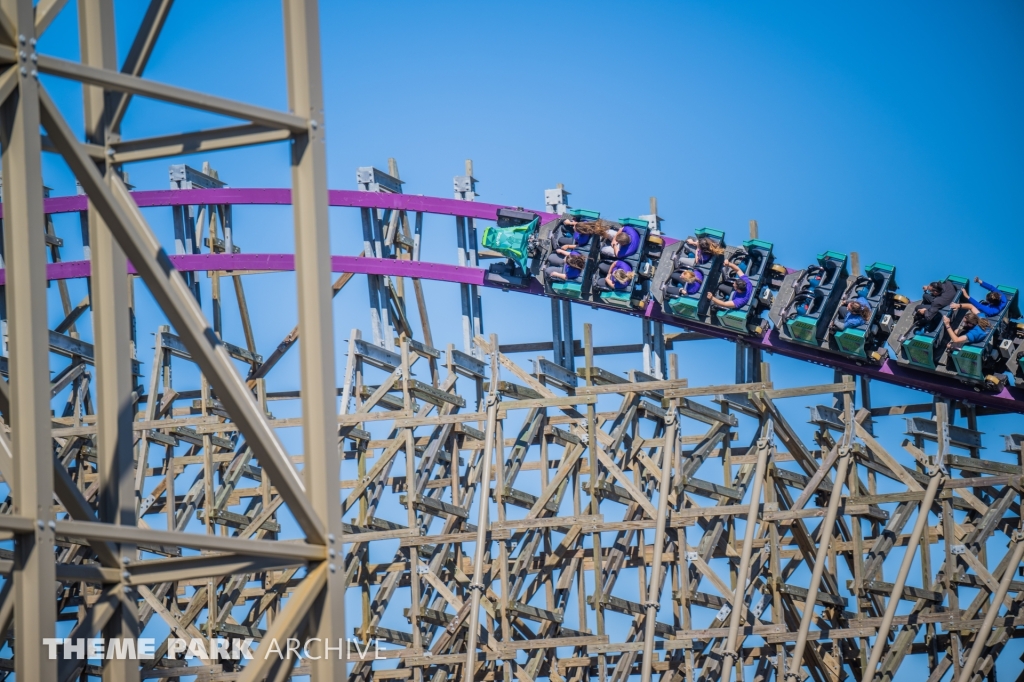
(479, 517)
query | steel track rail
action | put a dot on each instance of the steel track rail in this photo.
(283, 197)
(1010, 399)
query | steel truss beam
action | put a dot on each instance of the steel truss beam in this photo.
(25, 256)
(117, 232)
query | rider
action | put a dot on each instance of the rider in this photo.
(583, 231)
(619, 278)
(937, 296)
(616, 242)
(855, 313)
(742, 290)
(994, 301)
(972, 330)
(566, 268)
(687, 282)
(702, 250)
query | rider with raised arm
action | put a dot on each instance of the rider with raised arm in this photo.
(742, 290)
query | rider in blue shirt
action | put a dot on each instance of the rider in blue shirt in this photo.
(994, 302)
(857, 313)
(973, 329)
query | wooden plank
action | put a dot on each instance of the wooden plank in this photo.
(816, 635)
(887, 459)
(548, 522)
(638, 496)
(415, 540)
(846, 509)
(634, 387)
(370, 536)
(909, 593)
(717, 390)
(510, 649)
(684, 639)
(986, 466)
(569, 401)
(798, 391)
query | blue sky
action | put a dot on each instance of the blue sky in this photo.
(890, 129)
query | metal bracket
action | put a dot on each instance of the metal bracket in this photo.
(556, 200)
(584, 433)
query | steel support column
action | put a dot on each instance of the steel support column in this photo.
(465, 189)
(741, 362)
(125, 220)
(112, 332)
(313, 273)
(25, 256)
(658, 332)
(557, 349)
(648, 344)
(568, 345)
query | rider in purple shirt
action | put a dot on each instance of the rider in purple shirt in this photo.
(684, 281)
(566, 268)
(742, 290)
(619, 278)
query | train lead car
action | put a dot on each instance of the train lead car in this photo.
(515, 237)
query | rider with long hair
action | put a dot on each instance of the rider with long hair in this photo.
(686, 281)
(701, 251)
(973, 329)
(565, 268)
(857, 314)
(619, 278)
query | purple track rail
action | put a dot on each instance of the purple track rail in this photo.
(1009, 399)
(285, 262)
(283, 197)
